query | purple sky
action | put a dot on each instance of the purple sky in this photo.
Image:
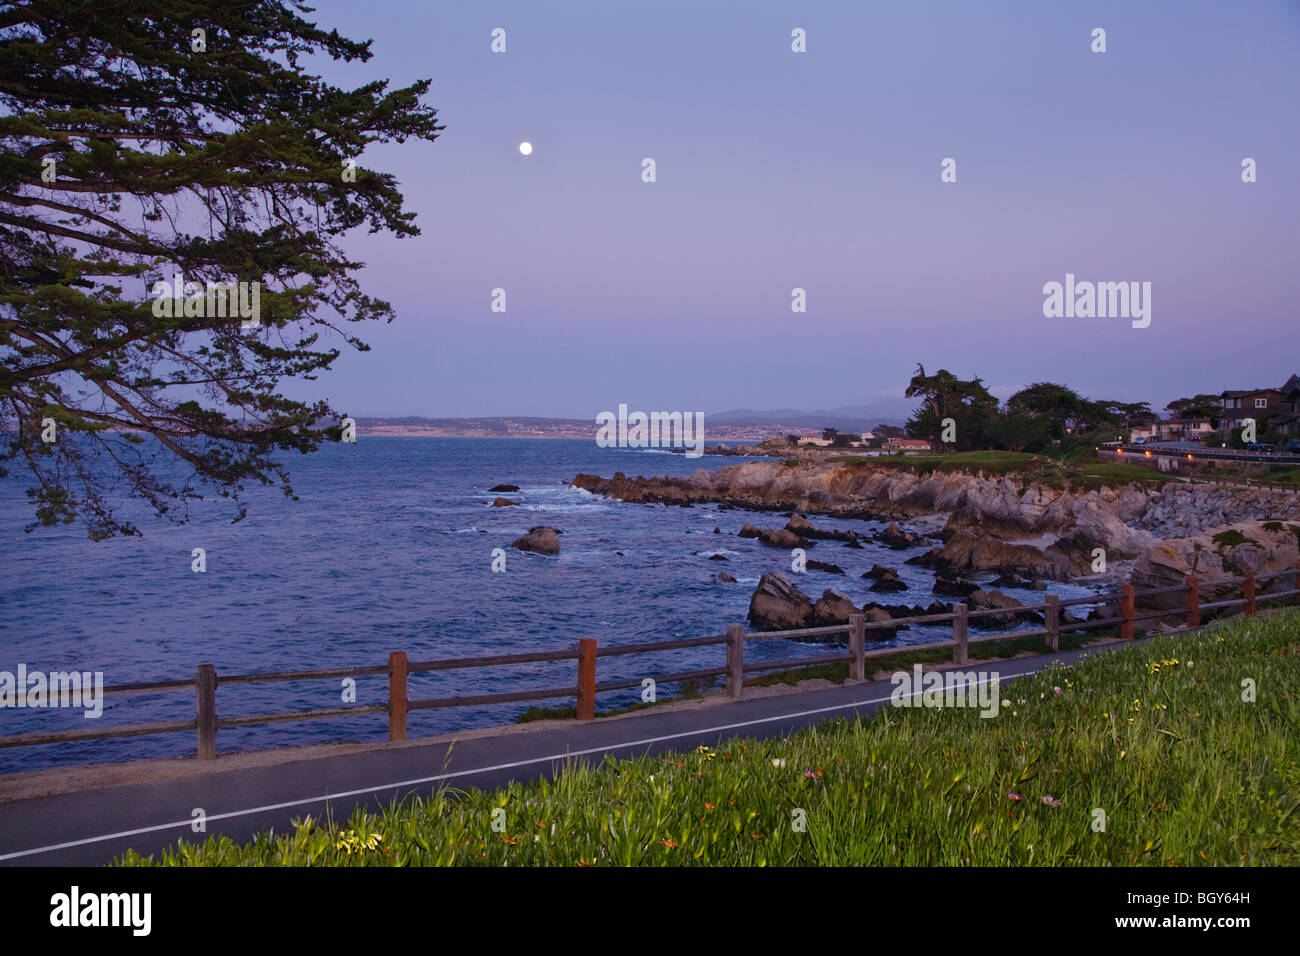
(821, 170)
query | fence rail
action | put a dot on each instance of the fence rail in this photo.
(206, 723)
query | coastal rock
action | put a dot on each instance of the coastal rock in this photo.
(504, 503)
(833, 607)
(878, 615)
(827, 568)
(747, 530)
(879, 571)
(954, 586)
(899, 540)
(777, 604)
(780, 538)
(725, 578)
(497, 488)
(1217, 557)
(541, 539)
(717, 557)
(967, 551)
(888, 584)
(1013, 580)
(987, 600)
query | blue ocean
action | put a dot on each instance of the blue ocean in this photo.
(390, 547)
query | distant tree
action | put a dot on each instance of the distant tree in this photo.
(130, 153)
(1016, 431)
(1059, 408)
(1198, 406)
(830, 434)
(968, 403)
(888, 431)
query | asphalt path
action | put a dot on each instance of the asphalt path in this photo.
(94, 826)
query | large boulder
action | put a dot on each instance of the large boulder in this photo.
(878, 615)
(956, 585)
(968, 551)
(899, 540)
(987, 600)
(833, 607)
(541, 539)
(500, 502)
(496, 488)
(1217, 556)
(886, 579)
(780, 538)
(777, 605)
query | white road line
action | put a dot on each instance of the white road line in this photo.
(459, 773)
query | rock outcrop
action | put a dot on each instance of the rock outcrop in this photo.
(777, 605)
(1216, 557)
(541, 539)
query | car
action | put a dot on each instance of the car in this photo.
(1139, 441)
(1293, 446)
(1259, 446)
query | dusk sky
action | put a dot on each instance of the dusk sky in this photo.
(821, 170)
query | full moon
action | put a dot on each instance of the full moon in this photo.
(525, 148)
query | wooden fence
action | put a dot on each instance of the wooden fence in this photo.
(205, 682)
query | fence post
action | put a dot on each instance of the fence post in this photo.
(959, 612)
(397, 699)
(1128, 608)
(1193, 601)
(205, 684)
(586, 678)
(1053, 622)
(735, 660)
(857, 646)
(1248, 591)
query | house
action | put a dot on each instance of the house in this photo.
(1260, 404)
(816, 440)
(1181, 429)
(1145, 432)
(906, 444)
(1287, 420)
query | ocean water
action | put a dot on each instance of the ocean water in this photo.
(390, 548)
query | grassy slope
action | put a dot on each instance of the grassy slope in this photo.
(1157, 737)
(1085, 473)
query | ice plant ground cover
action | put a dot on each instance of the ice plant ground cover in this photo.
(1171, 753)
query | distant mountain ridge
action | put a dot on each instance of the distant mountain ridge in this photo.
(849, 418)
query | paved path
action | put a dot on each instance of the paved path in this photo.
(90, 827)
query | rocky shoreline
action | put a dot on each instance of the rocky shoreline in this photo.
(1025, 531)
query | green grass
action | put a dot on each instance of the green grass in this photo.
(1230, 539)
(1079, 471)
(1156, 738)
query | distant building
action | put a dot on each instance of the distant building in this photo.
(1238, 405)
(906, 444)
(816, 440)
(1147, 432)
(1182, 429)
(1287, 419)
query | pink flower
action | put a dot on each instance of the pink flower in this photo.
(1051, 801)
(1013, 796)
